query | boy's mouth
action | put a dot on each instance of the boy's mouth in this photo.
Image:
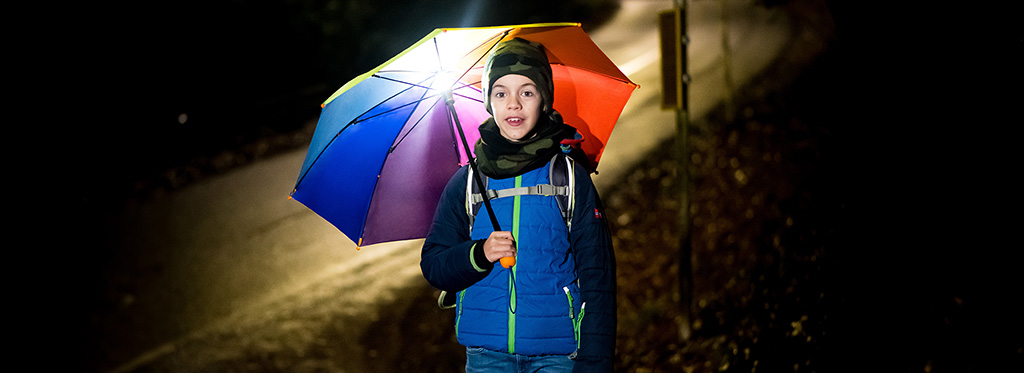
(514, 121)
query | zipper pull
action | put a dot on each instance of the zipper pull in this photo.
(569, 297)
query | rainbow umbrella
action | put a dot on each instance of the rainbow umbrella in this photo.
(388, 141)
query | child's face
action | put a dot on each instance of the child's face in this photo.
(516, 104)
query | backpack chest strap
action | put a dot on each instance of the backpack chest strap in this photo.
(562, 186)
(542, 190)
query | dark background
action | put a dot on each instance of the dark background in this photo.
(167, 84)
(921, 107)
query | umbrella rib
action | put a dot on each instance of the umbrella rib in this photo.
(383, 112)
(416, 124)
(411, 84)
(469, 86)
(418, 121)
(627, 81)
(489, 50)
(437, 52)
(469, 98)
(419, 85)
(414, 102)
(423, 97)
(409, 71)
(360, 119)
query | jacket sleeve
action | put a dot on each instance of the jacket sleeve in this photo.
(595, 260)
(450, 259)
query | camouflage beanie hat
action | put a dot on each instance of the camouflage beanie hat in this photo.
(521, 57)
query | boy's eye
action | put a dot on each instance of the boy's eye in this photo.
(499, 94)
(528, 93)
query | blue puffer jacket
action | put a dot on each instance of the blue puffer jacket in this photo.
(525, 309)
(547, 265)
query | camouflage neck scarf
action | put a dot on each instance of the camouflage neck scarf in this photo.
(499, 158)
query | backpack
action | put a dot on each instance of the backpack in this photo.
(561, 175)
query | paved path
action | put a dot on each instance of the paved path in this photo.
(231, 253)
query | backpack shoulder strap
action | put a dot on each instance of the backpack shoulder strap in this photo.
(561, 174)
(473, 200)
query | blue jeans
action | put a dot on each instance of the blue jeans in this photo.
(484, 360)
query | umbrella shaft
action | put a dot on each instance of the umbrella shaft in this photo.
(450, 102)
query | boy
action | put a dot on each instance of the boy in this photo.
(553, 309)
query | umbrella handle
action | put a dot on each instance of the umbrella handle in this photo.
(508, 261)
(450, 102)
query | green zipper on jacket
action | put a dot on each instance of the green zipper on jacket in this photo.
(458, 315)
(512, 278)
(579, 323)
(572, 317)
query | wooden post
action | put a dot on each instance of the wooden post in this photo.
(675, 80)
